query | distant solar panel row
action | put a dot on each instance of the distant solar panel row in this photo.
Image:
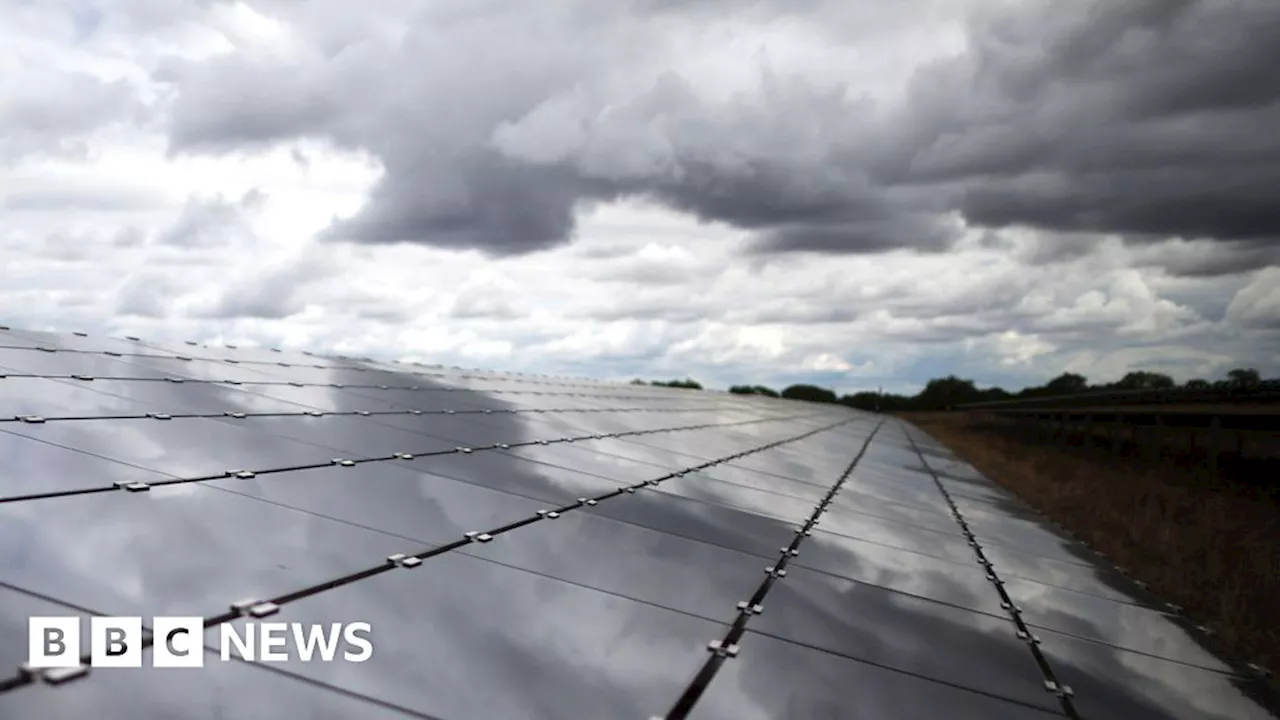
(533, 547)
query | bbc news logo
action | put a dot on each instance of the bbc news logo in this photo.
(54, 642)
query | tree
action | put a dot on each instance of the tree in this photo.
(1197, 384)
(812, 393)
(1067, 384)
(945, 393)
(638, 381)
(862, 401)
(687, 383)
(753, 390)
(1244, 378)
(1142, 380)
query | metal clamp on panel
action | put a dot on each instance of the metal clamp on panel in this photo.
(32, 419)
(404, 561)
(588, 501)
(255, 608)
(549, 514)
(244, 474)
(57, 676)
(86, 378)
(159, 416)
(747, 609)
(1056, 689)
(722, 650)
(477, 536)
(789, 551)
(778, 573)
(402, 456)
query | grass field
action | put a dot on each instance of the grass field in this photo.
(1212, 547)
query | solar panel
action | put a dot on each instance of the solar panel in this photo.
(532, 547)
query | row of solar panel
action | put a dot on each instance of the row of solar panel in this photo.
(603, 611)
(826, 549)
(260, 363)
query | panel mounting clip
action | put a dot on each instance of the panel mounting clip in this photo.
(57, 676)
(722, 650)
(404, 561)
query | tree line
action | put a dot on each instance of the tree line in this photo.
(687, 383)
(950, 391)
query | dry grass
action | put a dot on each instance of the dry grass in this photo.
(1212, 547)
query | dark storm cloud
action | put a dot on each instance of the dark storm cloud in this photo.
(1205, 260)
(494, 150)
(1150, 119)
(1147, 119)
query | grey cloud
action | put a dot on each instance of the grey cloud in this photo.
(70, 196)
(145, 295)
(495, 152)
(272, 294)
(1257, 305)
(207, 222)
(483, 304)
(1145, 119)
(129, 236)
(1203, 259)
(44, 111)
(1151, 119)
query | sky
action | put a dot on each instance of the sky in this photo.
(853, 193)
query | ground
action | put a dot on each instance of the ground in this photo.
(1211, 546)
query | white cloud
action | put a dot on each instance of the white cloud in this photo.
(107, 230)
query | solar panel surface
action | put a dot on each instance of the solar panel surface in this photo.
(587, 550)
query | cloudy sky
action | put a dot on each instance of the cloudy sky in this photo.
(850, 192)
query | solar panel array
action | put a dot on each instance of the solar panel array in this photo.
(535, 547)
